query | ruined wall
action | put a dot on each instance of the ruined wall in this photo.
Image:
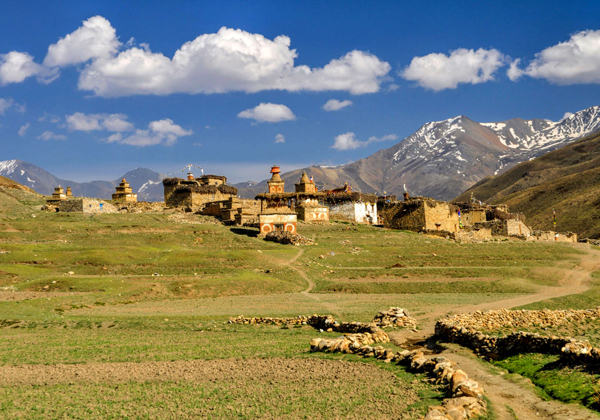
(473, 234)
(272, 222)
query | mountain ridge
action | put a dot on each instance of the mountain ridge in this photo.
(145, 182)
(443, 158)
(566, 180)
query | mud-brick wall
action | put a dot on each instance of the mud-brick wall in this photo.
(470, 217)
(517, 228)
(440, 216)
(199, 200)
(342, 211)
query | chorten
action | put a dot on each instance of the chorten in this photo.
(276, 184)
(124, 193)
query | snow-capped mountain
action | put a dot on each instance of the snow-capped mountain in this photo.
(146, 183)
(444, 158)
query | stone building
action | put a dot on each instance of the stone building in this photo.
(193, 194)
(124, 193)
(69, 193)
(345, 204)
(422, 214)
(276, 213)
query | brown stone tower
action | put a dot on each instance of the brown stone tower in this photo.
(124, 193)
(69, 192)
(275, 183)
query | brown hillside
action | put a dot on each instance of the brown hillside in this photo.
(9, 183)
(567, 180)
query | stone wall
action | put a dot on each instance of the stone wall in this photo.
(465, 329)
(312, 213)
(86, 205)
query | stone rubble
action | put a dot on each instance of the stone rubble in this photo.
(394, 317)
(288, 238)
(466, 396)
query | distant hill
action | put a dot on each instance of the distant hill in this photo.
(443, 158)
(146, 183)
(567, 180)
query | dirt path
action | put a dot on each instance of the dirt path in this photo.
(522, 399)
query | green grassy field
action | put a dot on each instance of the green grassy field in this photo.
(159, 288)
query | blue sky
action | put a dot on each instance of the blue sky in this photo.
(89, 90)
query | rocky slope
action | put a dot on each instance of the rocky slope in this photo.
(566, 180)
(444, 158)
(146, 183)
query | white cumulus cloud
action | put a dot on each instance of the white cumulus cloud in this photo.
(335, 105)
(279, 138)
(230, 60)
(268, 112)
(226, 61)
(348, 141)
(95, 39)
(90, 122)
(439, 71)
(23, 129)
(575, 61)
(164, 132)
(49, 135)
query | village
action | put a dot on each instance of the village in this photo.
(276, 213)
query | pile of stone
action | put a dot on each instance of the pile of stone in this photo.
(493, 320)
(394, 317)
(288, 238)
(466, 399)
